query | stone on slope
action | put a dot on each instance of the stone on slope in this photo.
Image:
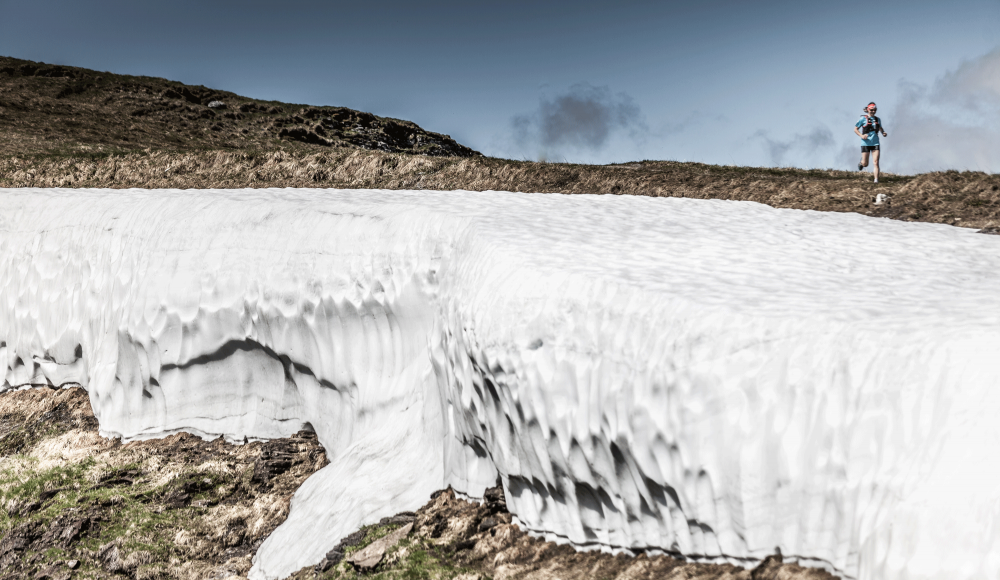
(368, 557)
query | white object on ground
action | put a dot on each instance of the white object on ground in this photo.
(714, 378)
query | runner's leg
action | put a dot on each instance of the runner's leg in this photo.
(875, 162)
(864, 159)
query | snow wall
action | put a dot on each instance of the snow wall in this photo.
(710, 378)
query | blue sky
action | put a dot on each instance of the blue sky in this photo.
(747, 83)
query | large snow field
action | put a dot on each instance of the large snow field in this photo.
(713, 378)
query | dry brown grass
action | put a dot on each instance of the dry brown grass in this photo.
(969, 199)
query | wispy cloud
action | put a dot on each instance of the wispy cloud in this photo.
(802, 144)
(952, 124)
(583, 118)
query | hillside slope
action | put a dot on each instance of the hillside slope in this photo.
(73, 127)
(60, 109)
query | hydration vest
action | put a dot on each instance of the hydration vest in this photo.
(872, 124)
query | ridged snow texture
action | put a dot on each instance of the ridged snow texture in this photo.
(712, 378)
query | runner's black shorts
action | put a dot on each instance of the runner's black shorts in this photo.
(867, 148)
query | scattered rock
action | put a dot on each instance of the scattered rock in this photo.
(495, 500)
(353, 539)
(303, 135)
(47, 495)
(181, 93)
(17, 540)
(54, 572)
(768, 569)
(398, 519)
(369, 557)
(276, 457)
(111, 558)
(64, 530)
(72, 564)
(116, 478)
(27, 508)
(225, 572)
(440, 527)
(332, 558)
(994, 230)
(465, 545)
(177, 498)
(216, 105)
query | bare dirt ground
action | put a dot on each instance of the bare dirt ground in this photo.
(74, 504)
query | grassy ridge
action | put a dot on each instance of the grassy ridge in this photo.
(968, 199)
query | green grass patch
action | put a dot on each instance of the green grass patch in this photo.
(119, 508)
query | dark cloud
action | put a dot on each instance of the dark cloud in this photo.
(800, 144)
(582, 119)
